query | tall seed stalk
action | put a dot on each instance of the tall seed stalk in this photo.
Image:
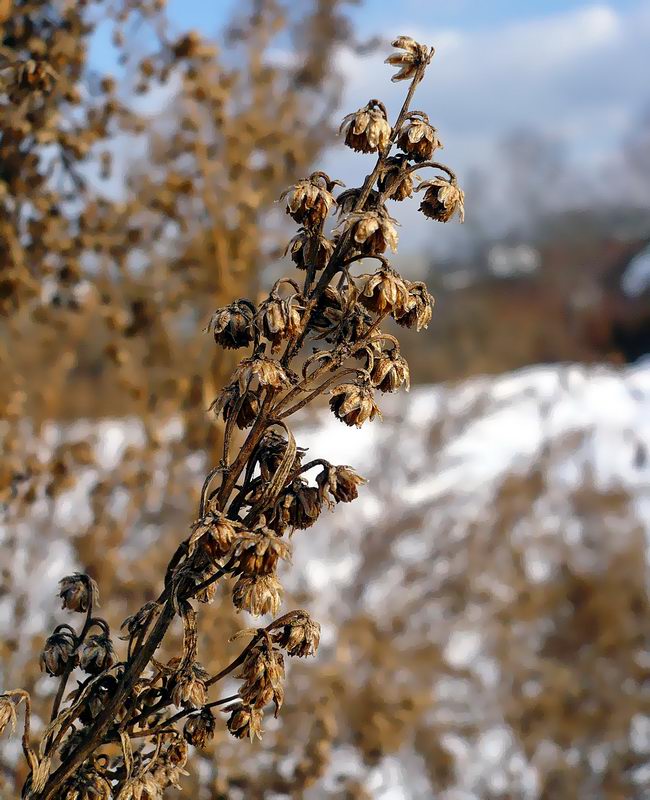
(260, 494)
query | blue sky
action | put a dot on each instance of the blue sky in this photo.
(573, 71)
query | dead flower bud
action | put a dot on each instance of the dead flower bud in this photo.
(245, 722)
(399, 185)
(199, 728)
(59, 649)
(419, 307)
(384, 292)
(340, 482)
(188, 687)
(267, 371)
(300, 636)
(7, 713)
(262, 673)
(258, 552)
(310, 250)
(228, 403)
(442, 199)
(97, 654)
(371, 231)
(232, 325)
(78, 592)
(390, 371)
(257, 594)
(414, 56)
(354, 404)
(419, 139)
(213, 533)
(367, 130)
(309, 200)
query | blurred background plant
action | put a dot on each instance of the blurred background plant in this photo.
(507, 529)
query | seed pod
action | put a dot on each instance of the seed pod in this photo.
(394, 181)
(390, 371)
(309, 200)
(199, 728)
(340, 482)
(232, 325)
(442, 199)
(384, 292)
(371, 231)
(97, 654)
(188, 686)
(58, 650)
(419, 139)
(354, 404)
(300, 636)
(78, 591)
(258, 552)
(257, 594)
(415, 55)
(367, 130)
(419, 307)
(245, 722)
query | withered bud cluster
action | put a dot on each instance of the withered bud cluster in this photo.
(319, 336)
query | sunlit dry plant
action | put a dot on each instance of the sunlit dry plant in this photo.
(322, 337)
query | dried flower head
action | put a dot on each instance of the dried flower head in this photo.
(58, 650)
(262, 673)
(310, 249)
(419, 139)
(245, 722)
(7, 713)
(309, 200)
(257, 594)
(413, 58)
(367, 130)
(371, 231)
(390, 371)
(199, 728)
(299, 636)
(384, 292)
(97, 654)
(258, 552)
(394, 181)
(442, 199)
(354, 404)
(78, 592)
(265, 370)
(232, 325)
(244, 407)
(189, 688)
(214, 534)
(298, 507)
(340, 483)
(88, 784)
(419, 308)
(271, 452)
